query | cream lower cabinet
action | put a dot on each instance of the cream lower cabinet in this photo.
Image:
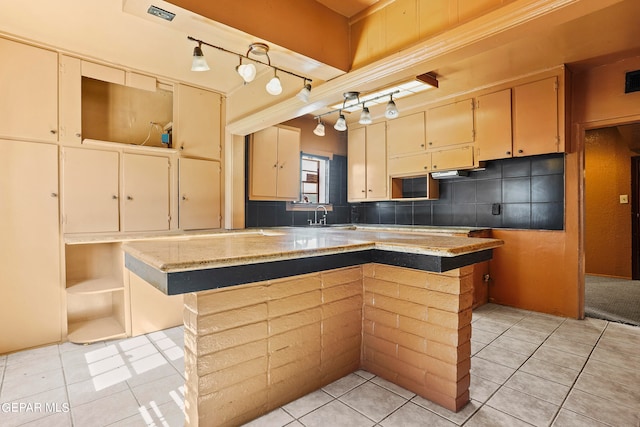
(151, 310)
(366, 163)
(199, 182)
(274, 160)
(102, 193)
(30, 290)
(145, 188)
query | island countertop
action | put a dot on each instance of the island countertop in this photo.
(200, 262)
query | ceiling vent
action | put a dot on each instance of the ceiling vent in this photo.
(632, 81)
(161, 13)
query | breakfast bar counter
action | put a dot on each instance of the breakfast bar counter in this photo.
(271, 315)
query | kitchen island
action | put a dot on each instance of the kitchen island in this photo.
(275, 314)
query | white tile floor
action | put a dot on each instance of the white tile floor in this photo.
(527, 369)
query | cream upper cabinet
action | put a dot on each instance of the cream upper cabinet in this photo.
(199, 194)
(275, 164)
(145, 193)
(450, 124)
(90, 190)
(493, 126)
(197, 122)
(535, 118)
(406, 134)
(29, 88)
(30, 306)
(70, 100)
(452, 158)
(366, 163)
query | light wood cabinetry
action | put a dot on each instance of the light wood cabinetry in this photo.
(151, 310)
(197, 130)
(366, 163)
(29, 88)
(274, 172)
(452, 158)
(90, 200)
(70, 100)
(30, 305)
(493, 126)
(535, 118)
(102, 194)
(417, 164)
(199, 182)
(145, 189)
(450, 124)
(406, 135)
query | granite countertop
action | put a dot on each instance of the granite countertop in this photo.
(243, 247)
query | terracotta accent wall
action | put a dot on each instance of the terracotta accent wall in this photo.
(607, 221)
(417, 330)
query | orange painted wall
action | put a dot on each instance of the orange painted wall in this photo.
(607, 221)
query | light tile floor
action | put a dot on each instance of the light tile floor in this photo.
(527, 369)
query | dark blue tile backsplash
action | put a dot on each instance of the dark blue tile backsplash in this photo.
(526, 192)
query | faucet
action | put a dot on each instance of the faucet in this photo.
(323, 221)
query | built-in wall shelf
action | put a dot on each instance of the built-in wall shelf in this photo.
(88, 331)
(414, 188)
(95, 286)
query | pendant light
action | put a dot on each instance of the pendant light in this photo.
(341, 123)
(304, 93)
(365, 116)
(246, 71)
(274, 87)
(199, 63)
(391, 112)
(319, 130)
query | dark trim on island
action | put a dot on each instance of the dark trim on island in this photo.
(182, 282)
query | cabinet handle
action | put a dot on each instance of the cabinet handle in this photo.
(54, 195)
(508, 152)
(281, 166)
(520, 151)
(114, 197)
(363, 191)
(430, 143)
(435, 166)
(422, 145)
(129, 198)
(78, 135)
(182, 147)
(53, 131)
(425, 167)
(184, 197)
(370, 191)
(275, 165)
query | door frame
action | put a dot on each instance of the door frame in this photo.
(635, 218)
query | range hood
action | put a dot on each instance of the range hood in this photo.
(449, 174)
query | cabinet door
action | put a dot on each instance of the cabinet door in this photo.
(418, 164)
(70, 102)
(145, 193)
(493, 126)
(288, 181)
(30, 309)
(450, 124)
(29, 88)
(406, 134)
(356, 164)
(264, 163)
(197, 122)
(376, 161)
(199, 194)
(453, 158)
(90, 190)
(535, 118)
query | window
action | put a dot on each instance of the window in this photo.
(314, 179)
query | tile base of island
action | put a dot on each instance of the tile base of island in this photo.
(253, 347)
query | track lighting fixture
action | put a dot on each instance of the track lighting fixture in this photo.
(391, 112)
(199, 63)
(341, 123)
(248, 71)
(319, 130)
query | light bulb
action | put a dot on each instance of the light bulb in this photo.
(392, 111)
(247, 72)
(341, 123)
(365, 117)
(319, 130)
(274, 87)
(199, 63)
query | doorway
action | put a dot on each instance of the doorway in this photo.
(612, 196)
